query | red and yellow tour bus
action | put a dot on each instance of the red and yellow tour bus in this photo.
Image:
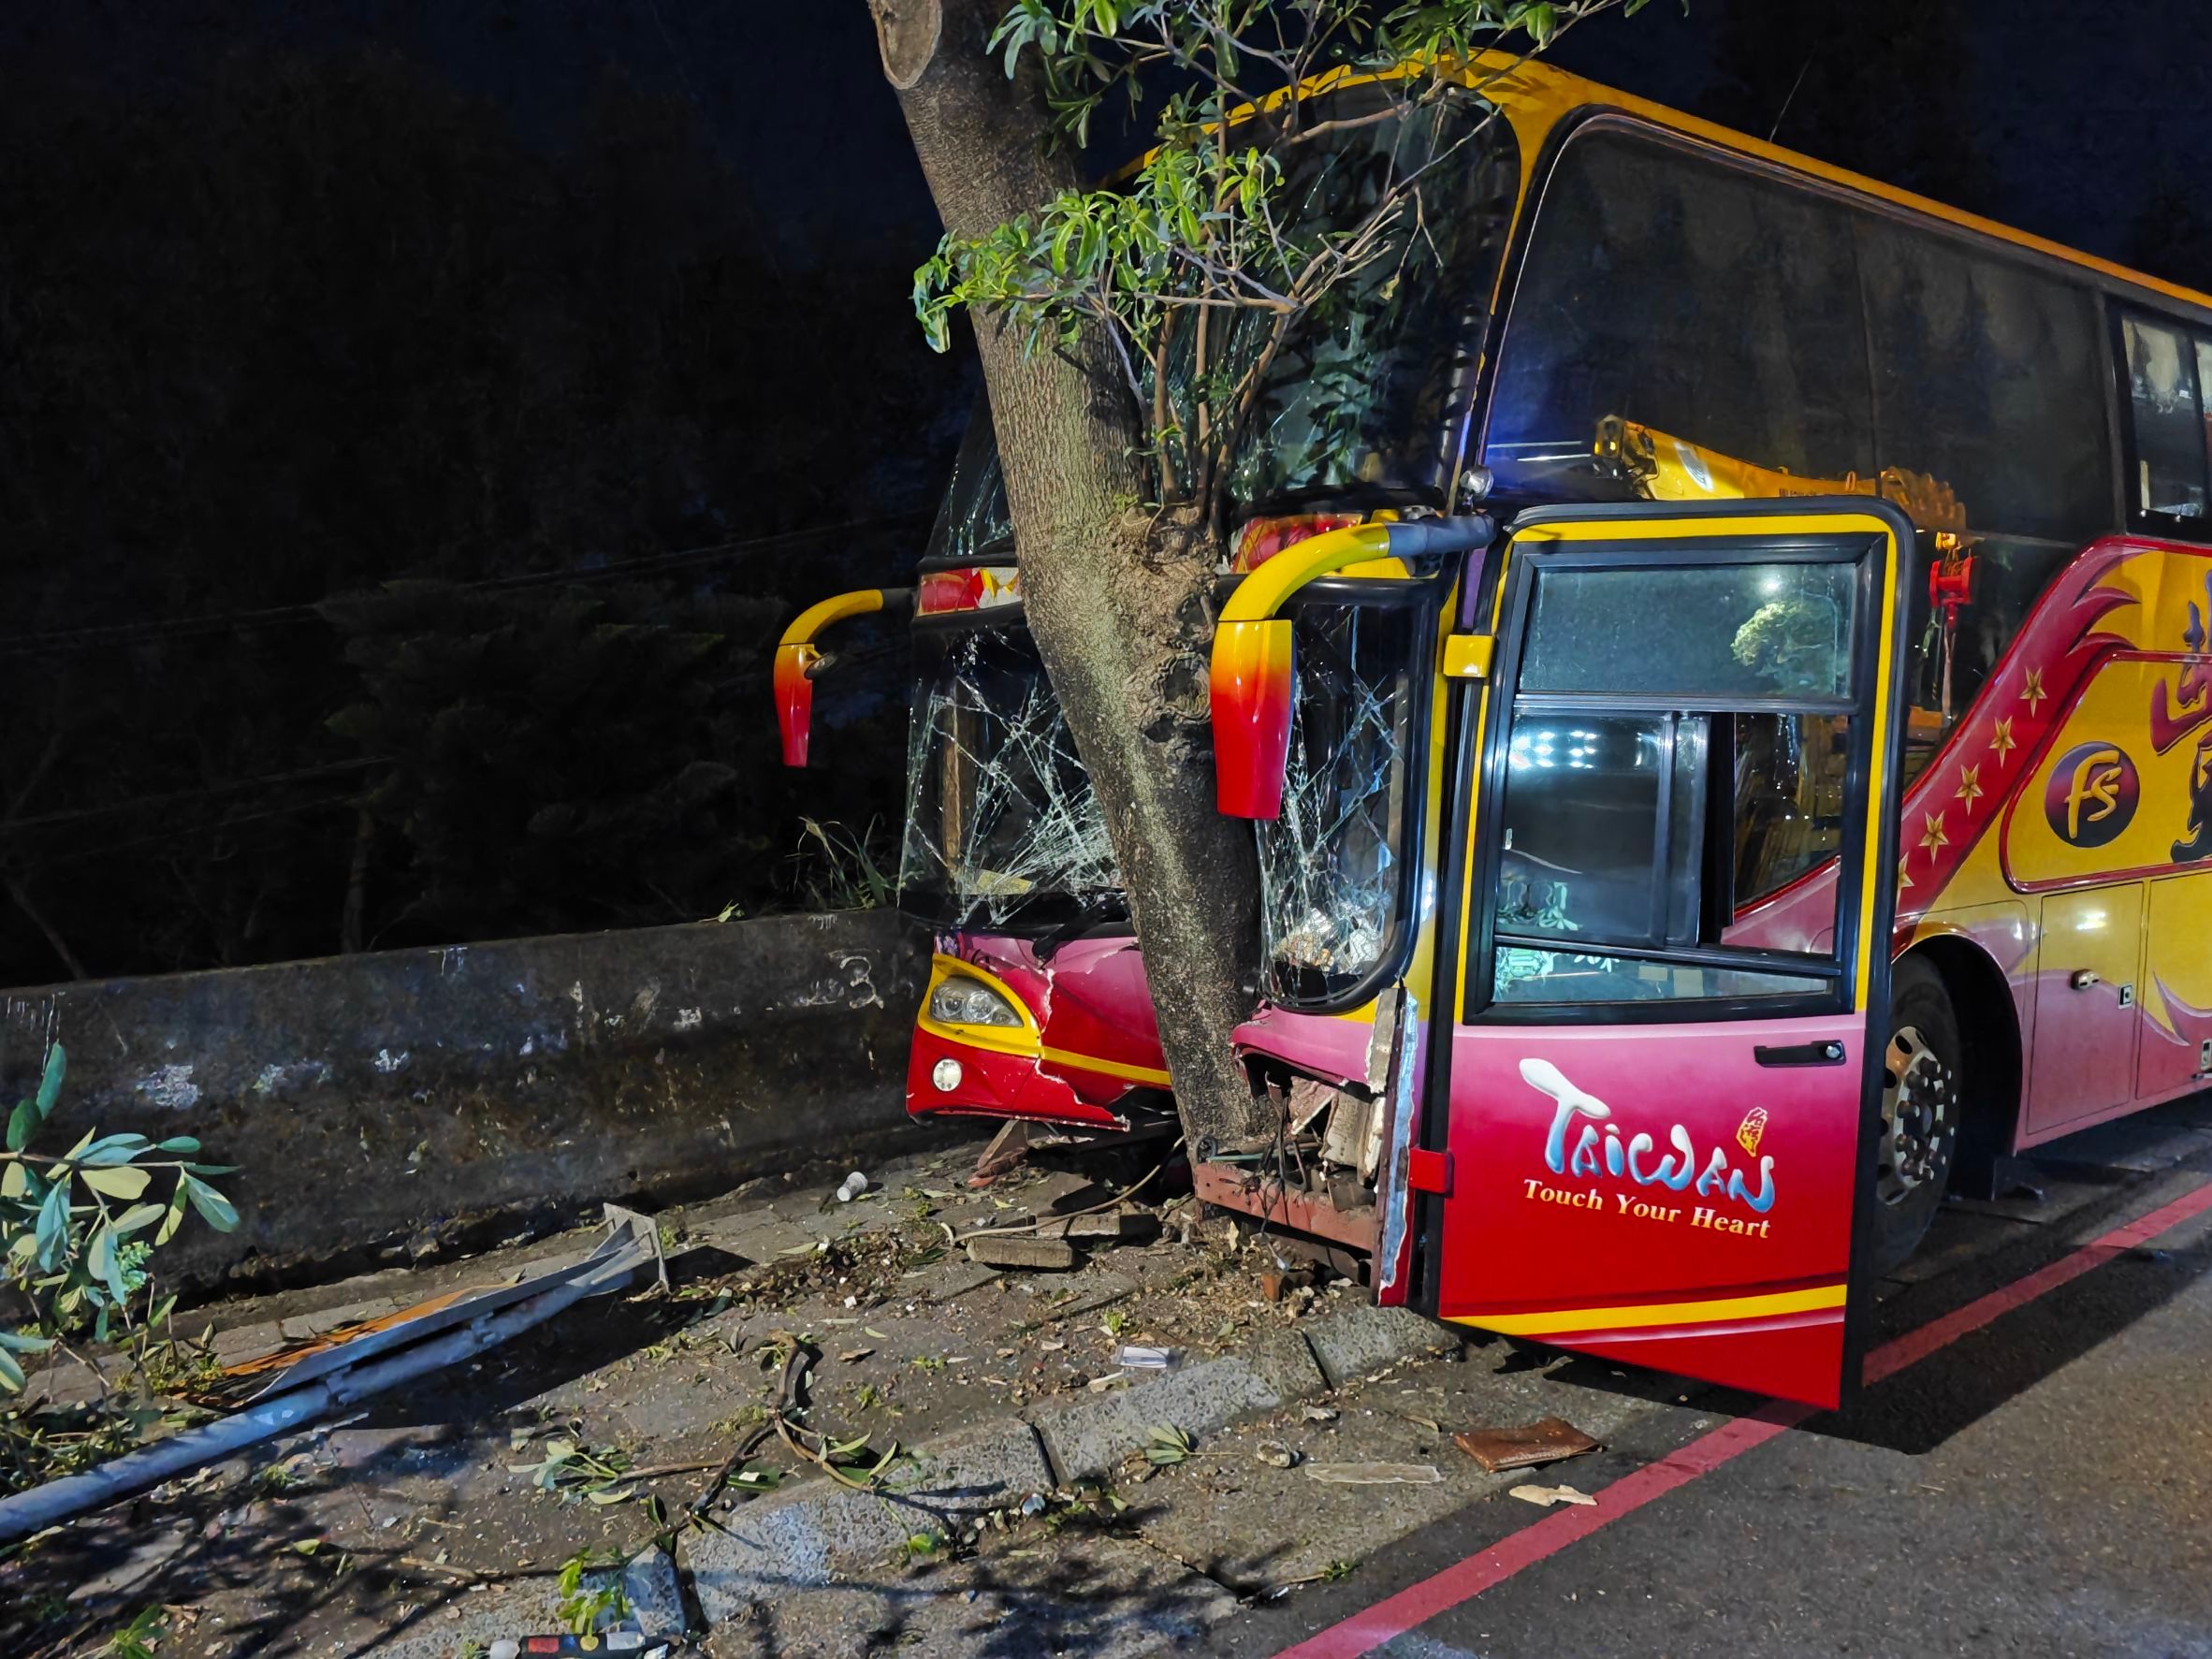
(1804, 802)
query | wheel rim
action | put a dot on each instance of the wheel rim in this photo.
(1919, 1094)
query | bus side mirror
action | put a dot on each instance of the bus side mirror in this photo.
(794, 698)
(1251, 702)
(798, 660)
(1250, 690)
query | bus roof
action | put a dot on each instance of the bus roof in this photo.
(1537, 95)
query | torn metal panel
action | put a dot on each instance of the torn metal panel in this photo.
(1000, 812)
(1234, 1186)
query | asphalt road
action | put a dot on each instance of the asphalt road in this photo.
(2039, 1484)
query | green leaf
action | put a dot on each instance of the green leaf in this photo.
(123, 1182)
(50, 1086)
(214, 1209)
(12, 1374)
(53, 1225)
(15, 1181)
(100, 1263)
(137, 1217)
(110, 1149)
(174, 1216)
(23, 1341)
(178, 1143)
(22, 1123)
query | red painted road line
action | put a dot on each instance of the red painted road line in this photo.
(1368, 1629)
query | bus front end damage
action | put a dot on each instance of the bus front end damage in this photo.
(1037, 1007)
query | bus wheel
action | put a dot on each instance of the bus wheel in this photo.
(1920, 1112)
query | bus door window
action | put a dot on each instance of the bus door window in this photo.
(2166, 418)
(1786, 800)
(1678, 750)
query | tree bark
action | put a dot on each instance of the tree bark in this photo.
(1117, 599)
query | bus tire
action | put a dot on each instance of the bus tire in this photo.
(1920, 1110)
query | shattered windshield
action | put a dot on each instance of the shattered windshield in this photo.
(1366, 399)
(973, 519)
(1368, 395)
(1332, 865)
(1001, 823)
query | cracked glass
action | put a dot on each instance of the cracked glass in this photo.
(1002, 825)
(1331, 874)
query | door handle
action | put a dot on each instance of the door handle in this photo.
(2085, 980)
(1828, 1053)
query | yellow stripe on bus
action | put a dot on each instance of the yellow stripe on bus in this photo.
(1060, 1057)
(1583, 1320)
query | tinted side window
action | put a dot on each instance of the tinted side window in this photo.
(1694, 300)
(1987, 380)
(2166, 422)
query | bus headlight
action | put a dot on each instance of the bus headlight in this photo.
(946, 1075)
(962, 1001)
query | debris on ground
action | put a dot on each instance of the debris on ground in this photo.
(1275, 1283)
(853, 1186)
(1547, 1440)
(1375, 1473)
(1275, 1454)
(1545, 1497)
(606, 1641)
(1021, 1250)
(1320, 1413)
(1135, 1358)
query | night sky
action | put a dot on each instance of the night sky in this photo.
(2081, 115)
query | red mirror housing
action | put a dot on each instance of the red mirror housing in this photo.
(1251, 700)
(798, 660)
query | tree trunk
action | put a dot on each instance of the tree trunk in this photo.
(1118, 600)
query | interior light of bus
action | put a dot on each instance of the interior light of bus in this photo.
(974, 588)
(1263, 538)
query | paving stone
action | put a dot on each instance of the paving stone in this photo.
(1361, 1339)
(247, 1342)
(799, 1538)
(1092, 1435)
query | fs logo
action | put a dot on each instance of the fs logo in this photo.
(2091, 795)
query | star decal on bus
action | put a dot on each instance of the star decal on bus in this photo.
(1904, 877)
(1933, 839)
(1970, 787)
(2001, 741)
(2032, 691)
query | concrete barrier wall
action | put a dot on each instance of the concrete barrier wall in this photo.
(391, 1101)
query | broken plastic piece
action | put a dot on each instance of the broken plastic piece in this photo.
(1143, 1359)
(1545, 1441)
(1377, 1473)
(1545, 1497)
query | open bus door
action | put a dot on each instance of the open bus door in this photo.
(1651, 1132)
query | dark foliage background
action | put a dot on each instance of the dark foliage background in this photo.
(480, 452)
(396, 395)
